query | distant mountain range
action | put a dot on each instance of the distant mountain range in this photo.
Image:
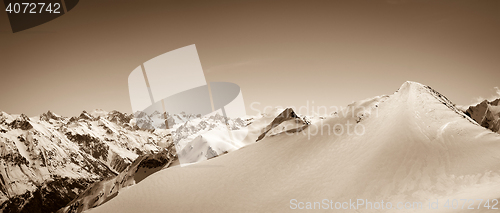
(50, 161)
(53, 163)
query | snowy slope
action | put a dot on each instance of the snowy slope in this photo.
(207, 137)
(417, 148)
(48, 161)
(203, 137)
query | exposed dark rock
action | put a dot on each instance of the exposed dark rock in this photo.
(486, 114)
(142, 167)
(49, 115)
(48, 197)
(22, 122)
(90, 145)
(119, 118)
(287, 114)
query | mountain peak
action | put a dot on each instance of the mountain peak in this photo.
(486, 114)
(495, 102)
(286, 115)
(21, 122)
(414, 89)
(49, 115)
(85, 115)
(410, 85)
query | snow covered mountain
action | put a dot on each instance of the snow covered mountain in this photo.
(411, 147)
(200, 138)
(47, 161)
(50, 160)
(487, 114)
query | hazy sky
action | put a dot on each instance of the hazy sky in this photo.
(281, 53)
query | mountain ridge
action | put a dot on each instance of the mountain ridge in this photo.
(61, 154)
(112, 145)
(417, 148)
(90, 150)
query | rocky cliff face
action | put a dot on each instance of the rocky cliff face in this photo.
(487, 114)
(47, 161)
(102, 191)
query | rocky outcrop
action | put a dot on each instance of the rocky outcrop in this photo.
(287, 115)
(22, 122)
(48, 197)
(119, 118)
(49, 115)
(486, 114)
(105, 190)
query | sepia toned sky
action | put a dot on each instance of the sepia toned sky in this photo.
(281, 53)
